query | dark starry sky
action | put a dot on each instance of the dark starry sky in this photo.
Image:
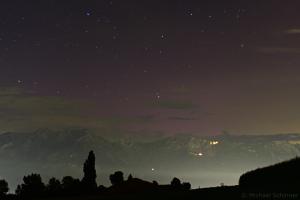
(179, 66)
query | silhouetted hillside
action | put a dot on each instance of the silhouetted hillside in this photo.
(284, 176)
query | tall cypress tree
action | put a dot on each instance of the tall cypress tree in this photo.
(89, 178)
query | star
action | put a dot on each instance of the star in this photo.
(88, 13)
(157, 95)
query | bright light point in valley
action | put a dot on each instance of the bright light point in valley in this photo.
(214, 142)
(200, 154)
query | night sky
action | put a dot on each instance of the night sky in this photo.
(160, 66)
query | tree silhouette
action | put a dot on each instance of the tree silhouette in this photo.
(71, 186)
(32, 186)
(18, 190)
(54, 187)
(129, 177)
(176, 183)
(3, 187)
(186, 186)
(155, 183)
(116, 178)
(89, 178)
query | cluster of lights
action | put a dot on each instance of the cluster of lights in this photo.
(214, 142)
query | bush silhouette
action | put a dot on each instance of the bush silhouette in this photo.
(116, 178)
(3, 187)
(186, 186)
(89, 178)
(155, 183)
(54, 187)
(176, 183)
(71, 186)
(32, 186)
(101, 188)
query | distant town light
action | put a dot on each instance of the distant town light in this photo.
(214, 142)
(200, 154)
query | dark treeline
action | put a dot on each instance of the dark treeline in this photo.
(34, 188)
(280, 180)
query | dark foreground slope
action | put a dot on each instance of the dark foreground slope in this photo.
(282, 177)
(217, 193)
